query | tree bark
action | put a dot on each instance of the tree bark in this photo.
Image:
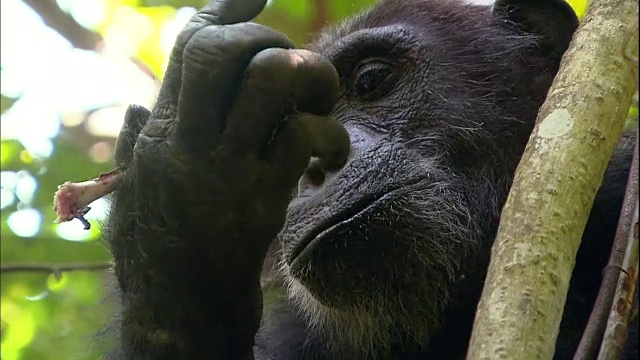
(554, 187)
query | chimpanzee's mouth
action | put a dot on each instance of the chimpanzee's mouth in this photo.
(338, 220)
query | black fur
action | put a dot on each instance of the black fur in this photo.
(384, 258)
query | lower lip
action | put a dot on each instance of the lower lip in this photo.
(311, 243)
(308, 244)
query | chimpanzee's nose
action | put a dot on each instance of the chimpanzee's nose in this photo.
(312, 178)
(320, 171)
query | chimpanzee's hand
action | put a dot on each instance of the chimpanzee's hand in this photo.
(209, 174)
(231, 132)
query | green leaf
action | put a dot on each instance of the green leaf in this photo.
(6, 103)
(14, 157)
(579, 6)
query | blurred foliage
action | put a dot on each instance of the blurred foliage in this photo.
(44, 317)
(579, 6)
(146, 17)
(5, 103)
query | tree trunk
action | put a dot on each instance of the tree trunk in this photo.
(554, 187)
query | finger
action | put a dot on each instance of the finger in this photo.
(218, 12)
(289, 153)
(232, 11)
(134, 120)
(214, 62)
(316, 85)
(278, 83)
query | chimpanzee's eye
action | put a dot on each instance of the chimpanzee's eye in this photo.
(373, 79)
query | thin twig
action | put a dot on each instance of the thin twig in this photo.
(65, 24)
(53, 267)
(617, 331)
(588, 347)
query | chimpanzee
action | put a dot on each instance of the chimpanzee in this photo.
(378, 160)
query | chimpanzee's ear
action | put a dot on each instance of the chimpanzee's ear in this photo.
(553, 20)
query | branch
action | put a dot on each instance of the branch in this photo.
(554, 187)
(615, 335)
(320, 15)
(65, 24)
(598, 319)
(53, 268)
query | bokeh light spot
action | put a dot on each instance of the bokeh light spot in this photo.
(100, 152)
(26, 186)
(8, 179)
(25, 223)
(98, 210)
(73, 231)
(25, 157)
(7, 198)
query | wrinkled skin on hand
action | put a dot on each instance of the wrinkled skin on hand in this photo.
(237, 119)
(414, 115)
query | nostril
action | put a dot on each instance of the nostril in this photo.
(312, 178)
